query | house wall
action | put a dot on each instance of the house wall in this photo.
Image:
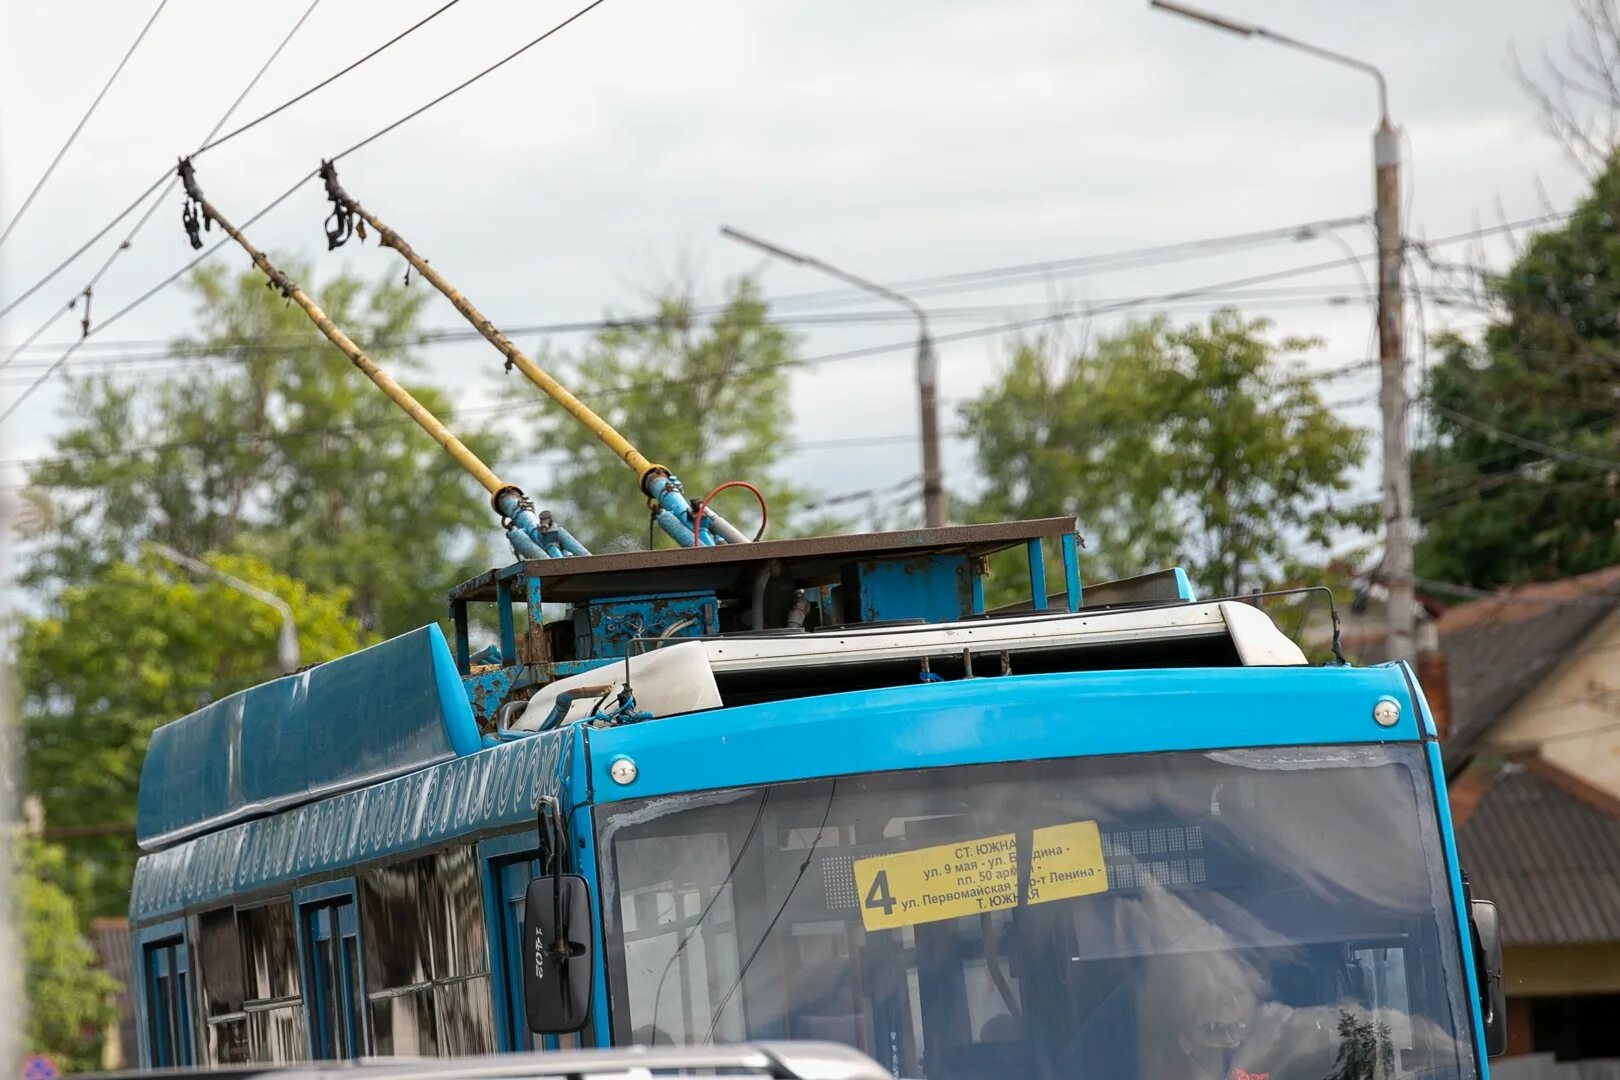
(1573, 716)
(1530, 971)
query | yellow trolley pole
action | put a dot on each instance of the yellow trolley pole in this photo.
(656, 481)
(507, 499)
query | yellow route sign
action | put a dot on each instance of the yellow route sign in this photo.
(933, 883)
(1067, 862)
(948, 881)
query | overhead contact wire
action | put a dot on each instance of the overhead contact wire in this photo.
(83, 120)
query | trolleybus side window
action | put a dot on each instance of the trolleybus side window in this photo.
(167, 1002)
(427, 958)
(252, 1006)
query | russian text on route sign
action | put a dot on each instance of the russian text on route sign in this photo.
(948, 881)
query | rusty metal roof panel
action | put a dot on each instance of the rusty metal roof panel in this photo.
(1549, 859)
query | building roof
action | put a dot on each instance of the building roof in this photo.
(1500, 647)
(1548, 853)
(110, 940)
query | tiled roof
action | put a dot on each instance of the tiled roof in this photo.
(1500, 647)
(110, 940)
(1548, 857)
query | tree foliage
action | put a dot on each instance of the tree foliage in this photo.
(137, 646)
(1519, 477)
(1197, 446)
(276, 446)
(69, 999)
(709, 401)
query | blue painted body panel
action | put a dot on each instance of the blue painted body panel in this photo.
(604, 630)
(1184, 587)
(1013, 718)
(493, 793)
(935, 588)
(492, 789)
(380, 712)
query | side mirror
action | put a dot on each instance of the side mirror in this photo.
(1488, 964)
(557, 954)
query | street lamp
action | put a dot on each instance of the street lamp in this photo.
(287, 644)
(1402, 611)
(927, 366)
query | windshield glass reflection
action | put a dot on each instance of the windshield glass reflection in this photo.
(1230, 916)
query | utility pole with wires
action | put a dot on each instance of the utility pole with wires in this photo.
(1397, 486)
(933, 476)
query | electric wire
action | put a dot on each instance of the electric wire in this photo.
(1571, 456)
(83, 120)
(29, 340)
(86, 246)
(508, 58)
(211, 142)
(140, 224)
(1130, 259)
(68, 354)
(223, 120)
(56, 365)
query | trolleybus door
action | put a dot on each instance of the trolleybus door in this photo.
(167, 1003)
(331, 935)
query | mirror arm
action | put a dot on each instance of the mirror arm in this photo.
(554, 834)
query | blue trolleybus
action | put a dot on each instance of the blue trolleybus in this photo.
(812, 789)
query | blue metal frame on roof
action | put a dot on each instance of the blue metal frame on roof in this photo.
(1008, 718)
(606, 629)
(494, 788)
(377, 713)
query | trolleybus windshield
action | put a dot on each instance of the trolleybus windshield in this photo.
(1239, 915)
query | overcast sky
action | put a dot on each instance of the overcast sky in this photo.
(898, 140)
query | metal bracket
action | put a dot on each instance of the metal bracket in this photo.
(340, 224)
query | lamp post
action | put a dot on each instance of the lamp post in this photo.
(927, 366)
(1402, 611)
(287, 643)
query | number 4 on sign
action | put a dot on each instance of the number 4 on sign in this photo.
(878, 895)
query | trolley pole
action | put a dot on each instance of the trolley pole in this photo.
(1397, 572)
(525, 530)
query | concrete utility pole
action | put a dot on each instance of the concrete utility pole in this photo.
(927, 367)
(1397, 573)
(287, 644)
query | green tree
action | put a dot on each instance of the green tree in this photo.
(1201, 446)
(710, 402)
(1518, 477)
(69, 1000)
(275, 446)
(135, 647)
